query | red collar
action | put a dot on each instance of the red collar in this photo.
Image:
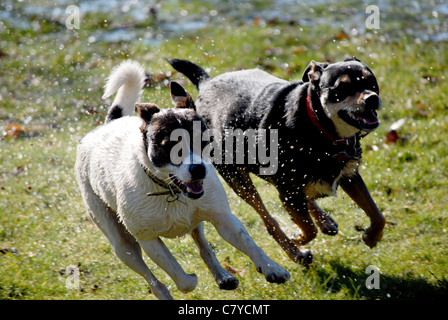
(336, 140)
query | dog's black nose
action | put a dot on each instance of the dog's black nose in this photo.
(197, 171)
(373, 101)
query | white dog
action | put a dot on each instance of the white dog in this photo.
(135, 194)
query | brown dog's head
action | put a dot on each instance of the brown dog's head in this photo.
(348, 92)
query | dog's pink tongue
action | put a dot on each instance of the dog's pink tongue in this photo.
(195, 186)
(368, 117)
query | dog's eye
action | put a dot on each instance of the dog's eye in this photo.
(345, 90)
(164, 142)
(167, 144)
(343, 85)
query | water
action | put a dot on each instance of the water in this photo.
(422, 20)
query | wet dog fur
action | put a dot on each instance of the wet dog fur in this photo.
(136, 195)
(320, 121)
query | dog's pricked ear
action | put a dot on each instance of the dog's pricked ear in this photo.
(146, 110)
(314, 71)
(177, 92)
(181, 98)
(353, 58)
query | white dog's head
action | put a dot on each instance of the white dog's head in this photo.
(173, 138)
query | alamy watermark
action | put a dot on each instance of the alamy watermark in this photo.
(373, 20)
(72, 281)
(72, 21)
(233, 146)
(373, 280)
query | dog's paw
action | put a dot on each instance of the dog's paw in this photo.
(371, 238)
(274, 273)
(374, 233)
(328, 226)
(188, 283)
(228, 282)
(275, 277)
(161, 291)
(306, 259)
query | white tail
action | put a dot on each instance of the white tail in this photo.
(127, 80)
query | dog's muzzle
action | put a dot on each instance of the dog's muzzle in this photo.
(193, 189)
(372, 101)
(366, 118)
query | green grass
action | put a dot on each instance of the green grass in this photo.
(53, 86)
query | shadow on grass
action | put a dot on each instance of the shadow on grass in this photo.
(344, 278)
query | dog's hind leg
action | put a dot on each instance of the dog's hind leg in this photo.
(123, 243)
(159, 253)
(325, 222)
(241, 183)
(222, 277)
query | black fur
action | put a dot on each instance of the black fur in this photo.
(114, 113)
(305, 155)
(193, 72)
(312, 158)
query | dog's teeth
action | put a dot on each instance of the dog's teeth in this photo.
(194, 186)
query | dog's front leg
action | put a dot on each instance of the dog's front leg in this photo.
(159, 253)
(355, 187)
(222, 277)
(325, 222)
(232, 230)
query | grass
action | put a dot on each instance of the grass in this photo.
(51, 89)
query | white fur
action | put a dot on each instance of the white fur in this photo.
(114, 188)
(127, 78)
(319, 189)
(343, 129)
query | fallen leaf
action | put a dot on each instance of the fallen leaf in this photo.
(422, 109)
(298, 49)
(397, 124)
(159, 78)
(14, 130)
(392, 137)
(233, 270)
(429, 78)
(342, 36)
(257, 21)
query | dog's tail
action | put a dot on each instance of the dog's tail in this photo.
(195, 73)
(127, 81)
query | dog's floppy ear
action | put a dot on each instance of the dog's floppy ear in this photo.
(181, 98)
(314, 71)
(146, 110)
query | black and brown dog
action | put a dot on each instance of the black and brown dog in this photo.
(320, 121)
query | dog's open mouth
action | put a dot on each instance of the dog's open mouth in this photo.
(193, 189)
(367, 120)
